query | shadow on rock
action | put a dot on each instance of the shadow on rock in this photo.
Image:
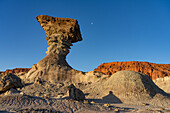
(110, 98)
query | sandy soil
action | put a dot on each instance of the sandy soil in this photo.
(53, 98)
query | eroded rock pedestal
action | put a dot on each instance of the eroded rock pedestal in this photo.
(61, 33)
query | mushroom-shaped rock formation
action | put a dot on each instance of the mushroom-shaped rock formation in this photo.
(61, 33)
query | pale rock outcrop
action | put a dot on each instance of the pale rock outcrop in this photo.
(9, 81)
(61, 33)
(163, 83)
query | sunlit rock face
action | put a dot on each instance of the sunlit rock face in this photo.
(16, 71)
(61, 33)
(153, 70)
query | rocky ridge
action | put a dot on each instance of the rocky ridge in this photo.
(16, 70)
(153, 70)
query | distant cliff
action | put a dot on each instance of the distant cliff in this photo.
(16, 70)
(151, 69)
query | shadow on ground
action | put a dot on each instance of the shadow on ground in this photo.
(110, 98)
(5, 112)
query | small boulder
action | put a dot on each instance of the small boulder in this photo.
(9, 81)
(75, 93)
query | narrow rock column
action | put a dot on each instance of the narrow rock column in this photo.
(61, 33)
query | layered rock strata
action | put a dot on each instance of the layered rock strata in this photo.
(16, 70)
(61, 33)
(151, 69)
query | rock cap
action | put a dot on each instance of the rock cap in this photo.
(56, 25)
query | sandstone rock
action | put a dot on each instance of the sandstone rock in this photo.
(22, 93)
(61, 33)
(106, 105)
(9, 81)
(75, 93)
(151, 69)
(20, 72)
(92, 102)
(116, 109)
(16, 70)
(86, 102)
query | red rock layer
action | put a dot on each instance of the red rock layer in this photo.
(151, 69)
(16, 70)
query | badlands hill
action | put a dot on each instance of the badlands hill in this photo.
(45, 87)
(127, 86)
(153, 70)
(159, 73)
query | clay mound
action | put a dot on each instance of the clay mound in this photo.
(133, 83)
(151, 69)
(127, 86)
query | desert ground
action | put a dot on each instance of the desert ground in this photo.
(50, 97)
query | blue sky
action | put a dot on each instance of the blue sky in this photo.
(122, 30)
